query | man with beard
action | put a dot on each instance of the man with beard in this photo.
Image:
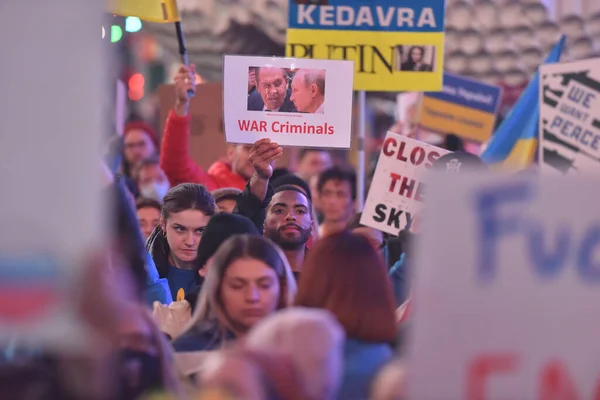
(288, 223)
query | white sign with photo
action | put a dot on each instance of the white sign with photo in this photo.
(506, 293)
(397, 191)
(570, 117)
(294, 102)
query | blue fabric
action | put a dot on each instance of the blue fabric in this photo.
(186, 279)
(398, 278)
(362, 362)
(519, 120)
(157, 289)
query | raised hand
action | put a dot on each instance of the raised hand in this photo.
(263, 154)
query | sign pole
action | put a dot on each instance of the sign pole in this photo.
(360, 164)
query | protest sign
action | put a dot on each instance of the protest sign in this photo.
(51, 198)
(506, 290)
(569, 128)
(464, 107)
(305, 103)
(396, 45)
(397, 191)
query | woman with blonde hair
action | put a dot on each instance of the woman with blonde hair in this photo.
(248, 279)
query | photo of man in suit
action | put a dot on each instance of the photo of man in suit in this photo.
(308, 91)
(271, 93)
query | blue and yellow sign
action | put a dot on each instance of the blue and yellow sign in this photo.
(396, 45)
(464, 107)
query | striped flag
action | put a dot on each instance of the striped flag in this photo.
(514, 143)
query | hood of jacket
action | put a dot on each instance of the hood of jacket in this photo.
(158, 247)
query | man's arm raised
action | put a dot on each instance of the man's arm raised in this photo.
(175, 157)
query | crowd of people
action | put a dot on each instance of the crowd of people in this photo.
(244, 281)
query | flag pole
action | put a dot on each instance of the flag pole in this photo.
(182, 49)
(360, 164)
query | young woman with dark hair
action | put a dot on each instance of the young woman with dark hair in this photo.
(173, 245)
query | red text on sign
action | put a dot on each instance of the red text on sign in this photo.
(416, 156)
(249, 125)
(407, 187)
(554, 380)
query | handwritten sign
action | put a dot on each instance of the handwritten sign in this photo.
(305, 103)
(397, 192)
(507, 290)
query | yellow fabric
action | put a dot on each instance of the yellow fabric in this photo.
(147, 10)
(522, 154)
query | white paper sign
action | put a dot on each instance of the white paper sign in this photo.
(397, 191)
(507, 290)
(570, 117)
(294, 102)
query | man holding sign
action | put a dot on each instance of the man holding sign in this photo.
(175, 157)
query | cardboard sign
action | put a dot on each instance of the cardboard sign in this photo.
(507, 290)
(396, 45)
(464, 107)
(51, 198)
(569, 118)
(397, 191)
(305, 103)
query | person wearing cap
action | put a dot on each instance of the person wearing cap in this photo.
(139, 143)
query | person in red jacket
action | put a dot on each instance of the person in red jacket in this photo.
(175, 157)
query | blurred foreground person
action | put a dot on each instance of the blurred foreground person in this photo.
(175, 154)
(345, 275)
(390, 383)
(293, 354)
(248, 279)
(173, 245)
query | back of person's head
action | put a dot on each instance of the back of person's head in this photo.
(345, 275)
(188, 196)
(313, 339)
(453, 143)
(338, 174)
(390, 382)
(293, 180)
(458, 162)
(212, 301)
(144, 202)
(221, 227)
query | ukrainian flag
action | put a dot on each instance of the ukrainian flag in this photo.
(514, 144)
